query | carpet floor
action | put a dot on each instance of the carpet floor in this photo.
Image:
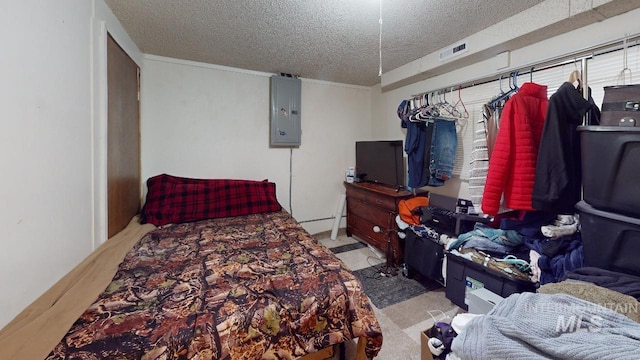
(401, 317)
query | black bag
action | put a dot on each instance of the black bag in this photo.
(442, 220)
(621, 106)
(424, 256)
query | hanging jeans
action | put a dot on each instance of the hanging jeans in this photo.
(414, 146)
(444, 143)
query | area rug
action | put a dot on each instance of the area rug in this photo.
(387, 290)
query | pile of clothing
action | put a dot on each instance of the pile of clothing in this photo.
(545, 245)
(623, 283)
(549, 326)
(558, 252)
(442, 334)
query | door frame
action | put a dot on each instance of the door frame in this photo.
(103, 22)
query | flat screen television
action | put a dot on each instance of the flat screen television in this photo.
(380, 162)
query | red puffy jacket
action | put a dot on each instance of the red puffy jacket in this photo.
(513, 160)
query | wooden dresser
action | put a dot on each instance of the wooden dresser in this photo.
(371, 204)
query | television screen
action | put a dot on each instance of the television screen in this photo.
(381, 162)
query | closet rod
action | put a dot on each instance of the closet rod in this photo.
(521, 72)
(589, 52)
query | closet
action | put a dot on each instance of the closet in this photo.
(609, 65)
(123, 138)
(604, 68)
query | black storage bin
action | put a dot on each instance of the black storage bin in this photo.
(611, 168)
(610, 241)
(621, 105)
(423, 256)
(464, 275)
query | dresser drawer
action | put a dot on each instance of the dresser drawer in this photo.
(364, 229)
(373, 214)
(372, 198)
(370, 205)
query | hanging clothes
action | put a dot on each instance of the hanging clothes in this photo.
(486, 131)
(430, 143)
(513, 161)
(444, 144)
(558, 176)
(415, 147)
(479, 165)
(403, 113)
(593, 115)
(493, 123)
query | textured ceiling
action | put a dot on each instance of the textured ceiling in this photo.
(332, 40)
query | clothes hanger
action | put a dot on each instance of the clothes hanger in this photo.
(424, 102)
(434, 109)
(456, 112)
(414, 108)
(575, 76)
(499, 88)
(504, 95)
(515, 80)
(415, 112)
(447, 111)
(464, 114)
(625, 68)
(420, 111)
(531, 75)
(445, 104)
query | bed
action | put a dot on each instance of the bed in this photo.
(226, 274)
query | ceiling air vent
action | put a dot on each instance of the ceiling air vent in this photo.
(454, 50)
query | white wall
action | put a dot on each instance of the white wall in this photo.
(207, 121)
(45, 147)
(595, 34)
(46, 144)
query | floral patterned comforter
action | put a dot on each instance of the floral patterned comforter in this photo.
(250, 287)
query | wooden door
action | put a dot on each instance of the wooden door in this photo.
(123, 138)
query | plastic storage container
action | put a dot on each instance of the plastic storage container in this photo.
(611, 168)
(464, 276)
(610, 241)
(481, 301)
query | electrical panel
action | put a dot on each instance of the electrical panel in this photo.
(285, 111)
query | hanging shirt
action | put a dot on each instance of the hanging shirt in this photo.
(558, 177)
(479, 158)
(493, 123)
(513, 160)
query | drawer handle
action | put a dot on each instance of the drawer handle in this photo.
(378, 201)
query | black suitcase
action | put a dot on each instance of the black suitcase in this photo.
(621, 106)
